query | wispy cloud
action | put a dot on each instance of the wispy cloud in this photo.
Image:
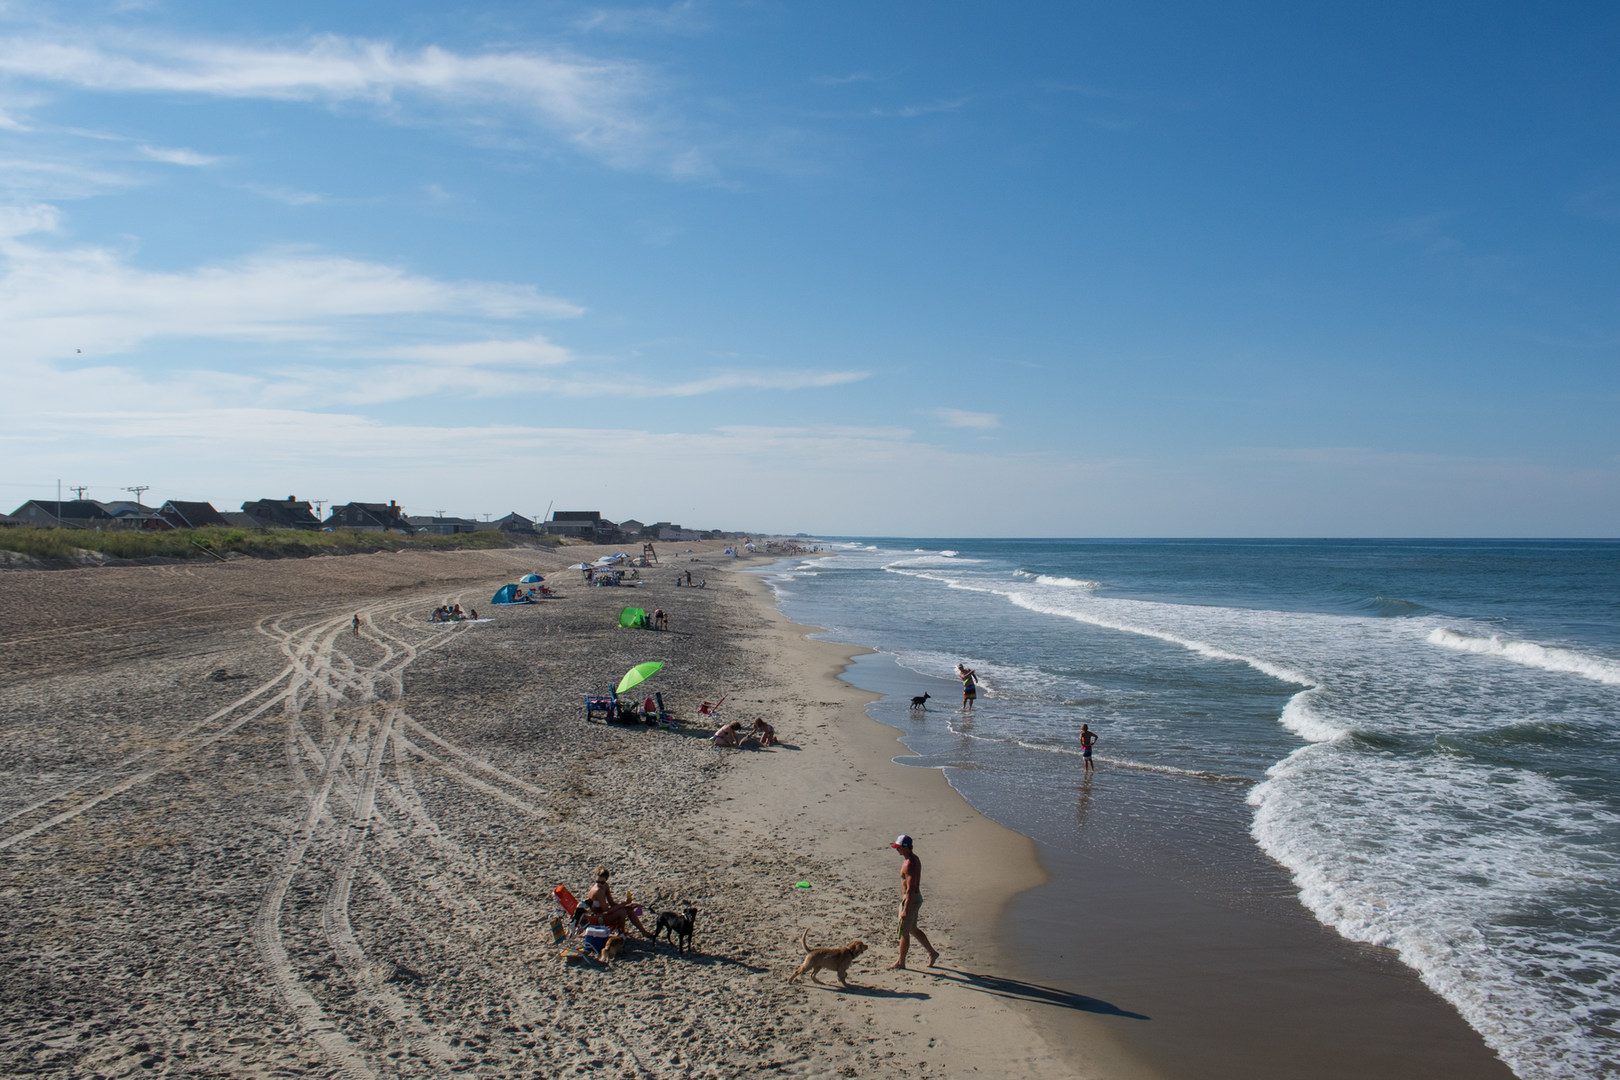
(686, 17)
(606, 108)
(286, 196)
(294, 328)
(22, 220)
(961, 418)
(175, 156)
(844, 80)
(1426, 232)
(55, 300)
(38, 177)
(911, 112)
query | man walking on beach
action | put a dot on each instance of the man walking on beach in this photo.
(910, 901)
(357, 626)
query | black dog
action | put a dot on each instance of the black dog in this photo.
(920, 702)
(679, 926)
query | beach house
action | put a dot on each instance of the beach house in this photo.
(370, 517)
(189, 515)
(288, 513)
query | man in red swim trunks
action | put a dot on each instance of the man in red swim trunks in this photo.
(910, 901)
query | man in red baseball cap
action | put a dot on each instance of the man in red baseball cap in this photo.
(910, 901)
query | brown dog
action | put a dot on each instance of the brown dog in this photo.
(612, 947)
(835, 960)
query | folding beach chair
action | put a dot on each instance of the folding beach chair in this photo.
(709, 708)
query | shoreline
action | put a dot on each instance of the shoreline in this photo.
(1204, 969)
(243, 838)
(977, 1010)
(160, 768)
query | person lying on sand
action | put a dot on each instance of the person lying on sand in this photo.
(729, 734)
(600, 901)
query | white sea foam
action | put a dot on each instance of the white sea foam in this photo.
(1435, 860)
(1406, 820)
(1298, 717)
(1598, 668)
(1066, 582)
(936, 558)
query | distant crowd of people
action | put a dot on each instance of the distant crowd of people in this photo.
(452, 613)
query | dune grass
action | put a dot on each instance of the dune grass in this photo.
(66, 544)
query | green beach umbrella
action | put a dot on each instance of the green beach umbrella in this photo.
(638, 675)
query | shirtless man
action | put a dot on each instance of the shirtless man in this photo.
(910, 901)
(1088, 739)
(600, 900)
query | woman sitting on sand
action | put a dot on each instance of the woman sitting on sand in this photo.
(729, 734)
(600, 901)
(766, 733)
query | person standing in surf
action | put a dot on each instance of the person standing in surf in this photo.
(1088, 739)
(970, 685)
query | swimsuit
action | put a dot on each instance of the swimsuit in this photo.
(908, 921)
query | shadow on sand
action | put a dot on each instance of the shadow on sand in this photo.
(863, 990)
(1019, 990)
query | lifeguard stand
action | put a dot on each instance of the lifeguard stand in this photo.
(649, 556)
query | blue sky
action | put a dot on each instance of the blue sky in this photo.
(875, 268)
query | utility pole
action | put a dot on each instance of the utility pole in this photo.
(137, 489)
(318, 504)
(439, 512)
(78, 491)
(486, 517)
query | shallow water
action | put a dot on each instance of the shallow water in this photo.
(1424, 734)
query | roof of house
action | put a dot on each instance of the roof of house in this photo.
(192, 515)
(77, 509)
(423, 522)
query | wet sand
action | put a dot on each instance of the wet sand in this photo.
(1178, 947)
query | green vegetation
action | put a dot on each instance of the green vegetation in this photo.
(259, 543)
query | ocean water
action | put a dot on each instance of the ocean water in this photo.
(1424, 734)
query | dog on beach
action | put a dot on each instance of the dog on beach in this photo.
(920, 702)
(680, 927)
(835, 960)
(612, 947)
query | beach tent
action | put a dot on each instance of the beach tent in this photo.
(635, 618)
(580, 566)
(529, 579)
(508, 595)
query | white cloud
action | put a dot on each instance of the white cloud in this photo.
(88, 296)
(532, 351)
(37, 178)
(176, 156)
(21, 220)
(604, 107)
(290, 329)
(911, 112)
(287, 196)
(963, 419)
(682, 18)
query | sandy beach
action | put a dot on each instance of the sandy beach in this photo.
(240, 839)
